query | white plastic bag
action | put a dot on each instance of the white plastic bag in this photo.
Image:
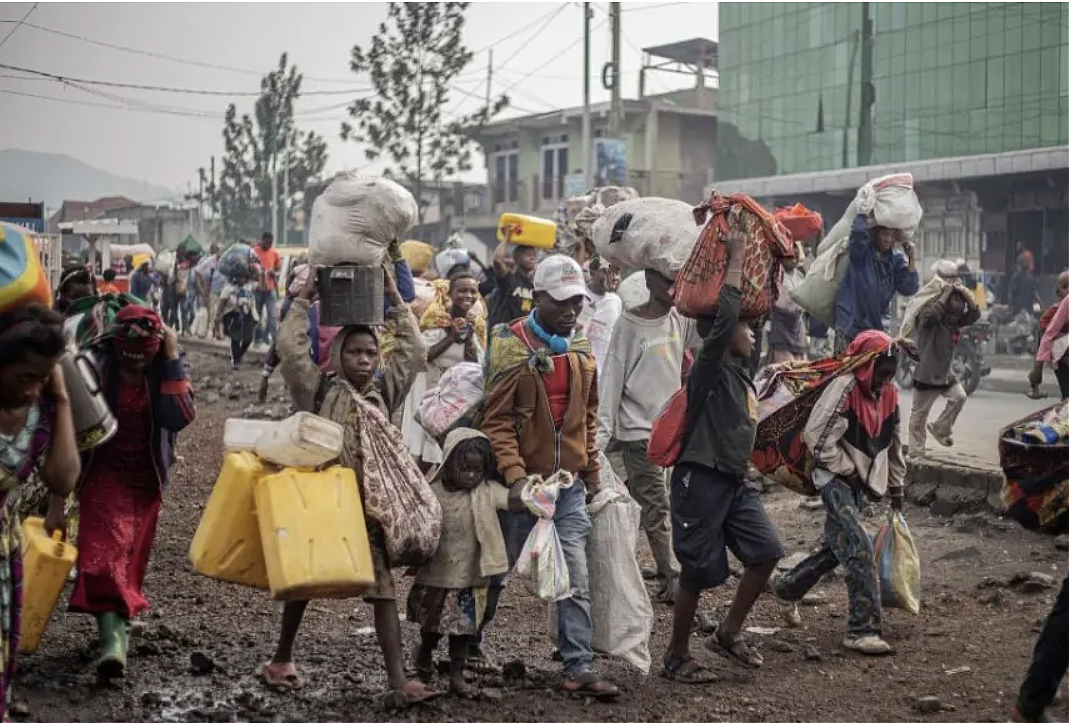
(200, 323)
(356, 218)
(620, 606)
(458, 390)
(647, 233)
(541, 565)
(633, 291)
(165, 262)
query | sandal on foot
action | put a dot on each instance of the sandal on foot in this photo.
(945, 440)
(735, 648)
(686, 670)
(411, 693)
(590, 685)
(281, 676)
(870, 645)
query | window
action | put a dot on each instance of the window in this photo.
(506, 164)
(554, 166)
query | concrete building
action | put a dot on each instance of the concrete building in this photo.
(817, 98)
(534, 161)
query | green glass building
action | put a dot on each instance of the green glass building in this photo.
(949, 80)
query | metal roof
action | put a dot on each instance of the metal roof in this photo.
(937, 169)
(696, 51)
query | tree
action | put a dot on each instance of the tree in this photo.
(412, 61)
(257, 146)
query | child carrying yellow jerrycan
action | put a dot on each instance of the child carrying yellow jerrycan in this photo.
(47, 562)
(274, 521)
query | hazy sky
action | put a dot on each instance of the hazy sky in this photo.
(168, 148)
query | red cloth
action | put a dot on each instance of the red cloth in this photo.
(557, 390)
(120, 506)
(871, 411)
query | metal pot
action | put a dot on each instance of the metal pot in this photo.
(94, 423)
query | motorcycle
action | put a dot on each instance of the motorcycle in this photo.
(967, 362)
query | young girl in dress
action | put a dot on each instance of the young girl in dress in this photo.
(455, 593)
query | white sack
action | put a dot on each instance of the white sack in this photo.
(633, 291)
(165, 262)
(356, 218)
(647, 233)
(458, 390)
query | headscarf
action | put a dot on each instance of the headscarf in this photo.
(872, 412)
(137, 332)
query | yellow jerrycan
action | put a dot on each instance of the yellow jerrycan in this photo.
(527, 230)
(46, 564)
(227, 545)
(312, 529)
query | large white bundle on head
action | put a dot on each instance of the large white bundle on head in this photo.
(356, 217)
(647, 233)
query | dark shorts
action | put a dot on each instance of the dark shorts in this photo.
(712, 513)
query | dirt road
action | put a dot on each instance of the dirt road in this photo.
(197, 651)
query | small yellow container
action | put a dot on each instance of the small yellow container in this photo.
(313, 533)
(46, 565)
(227, 542)
(527, 230)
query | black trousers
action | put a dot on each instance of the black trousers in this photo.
(1061, 375)
(1049, 664)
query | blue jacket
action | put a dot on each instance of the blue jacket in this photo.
(864, 299)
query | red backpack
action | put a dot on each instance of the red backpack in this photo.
(667, 433)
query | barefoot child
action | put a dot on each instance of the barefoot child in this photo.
(453, 591)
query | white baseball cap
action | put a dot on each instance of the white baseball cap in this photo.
(561, 277)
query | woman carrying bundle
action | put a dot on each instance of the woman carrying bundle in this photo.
(36, 436)
(122, 482)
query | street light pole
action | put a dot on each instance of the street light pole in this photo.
(588, 152)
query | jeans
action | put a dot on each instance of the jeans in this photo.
(574, 625)
(265, 305)
(1049, 663)
(847, 543)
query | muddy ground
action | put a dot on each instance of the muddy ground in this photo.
(197, 652)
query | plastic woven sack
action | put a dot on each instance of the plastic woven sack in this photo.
(165, 262)
(541, 565)
(355, 219)
(23, 279)
(647, 233)
(898, 568)
(458, 391)
(620, 606)
(698, 285)
(633, 291)
(235, 259)
(932, 290)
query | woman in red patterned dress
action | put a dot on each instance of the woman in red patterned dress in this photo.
(121, 489)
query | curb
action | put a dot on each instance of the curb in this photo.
(948, 489)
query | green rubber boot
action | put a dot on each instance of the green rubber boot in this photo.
(114, 639)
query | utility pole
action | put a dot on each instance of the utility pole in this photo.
(490, 76)
(286, 190)
(588, 151)
(615, 101)
(200, 199)
(275, 186)
(865, 110)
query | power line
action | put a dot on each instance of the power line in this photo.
(78, 102)
(166, 89)
(519, 31)
(553, 57)
(162, 56)
(524, 46)
(19, 24)
(634, 9)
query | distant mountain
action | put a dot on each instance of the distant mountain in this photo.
(54, 177)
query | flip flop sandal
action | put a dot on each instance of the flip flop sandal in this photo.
(736, 649)
(398, 699)
(686, 670)
(290, 682)
(591, 686)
